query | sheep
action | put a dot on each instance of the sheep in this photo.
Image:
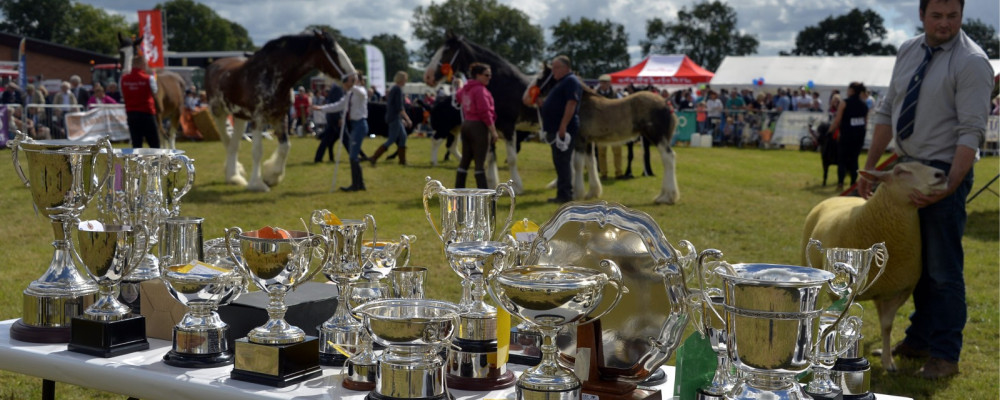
(888, 216)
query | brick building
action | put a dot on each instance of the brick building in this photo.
(50, 60)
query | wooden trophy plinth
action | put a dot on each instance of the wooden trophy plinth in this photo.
(597, 388)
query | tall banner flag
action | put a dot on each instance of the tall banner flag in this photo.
(22, 65)
(376, 68)
(151, 29)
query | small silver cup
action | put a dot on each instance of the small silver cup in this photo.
(408, 282)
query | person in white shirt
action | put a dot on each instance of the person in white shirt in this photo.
(355, 101)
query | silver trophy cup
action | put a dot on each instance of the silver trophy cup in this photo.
(201, 338)
(384, 256)
(362, 366)
(63, 175)
(467, 215)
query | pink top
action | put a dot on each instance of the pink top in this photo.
(476, 102)
(95, 100)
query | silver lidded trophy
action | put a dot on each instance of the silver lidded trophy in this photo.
(345, 266)
(467, 214)
(108, 252)
(200, 338)
(550, 297)
(473, 364)
(414, 332)
(63, 175)
(277, 353)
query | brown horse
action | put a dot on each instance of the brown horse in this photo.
(615, 121)
(169, 94)
(258, 89)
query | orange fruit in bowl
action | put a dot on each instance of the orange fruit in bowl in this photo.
(268, 232)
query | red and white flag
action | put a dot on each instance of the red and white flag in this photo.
(151, 29)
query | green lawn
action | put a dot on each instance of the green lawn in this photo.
(748, 203)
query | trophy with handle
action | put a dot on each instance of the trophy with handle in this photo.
(63, 176)
(277, 353)
(108, 252)
(467, 214)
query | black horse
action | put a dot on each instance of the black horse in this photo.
(507, 85)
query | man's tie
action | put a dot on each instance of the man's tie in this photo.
(904, 125)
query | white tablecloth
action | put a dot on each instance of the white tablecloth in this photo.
(143, 375)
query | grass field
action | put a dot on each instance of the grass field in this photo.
(748, 203)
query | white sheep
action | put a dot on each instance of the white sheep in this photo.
(888, 216)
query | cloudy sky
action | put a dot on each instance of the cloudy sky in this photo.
(774, 22)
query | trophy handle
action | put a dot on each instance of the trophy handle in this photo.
(136, 257)
(881, 258)
(102, 144)
(498, 293)
(318, 217)
(326, 245)
(188, 164)
(432, 188)
(615, 279)
(370, 221)
(849, 321)
(15, 147)
(404, 245)
(715, 256)
(241, 267)
(813, 243)
(507, 187)
(840, 268)
(69, 226)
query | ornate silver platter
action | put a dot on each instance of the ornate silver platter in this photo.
(641, 333)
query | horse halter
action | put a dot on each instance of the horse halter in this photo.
(330, 59)
(450, 71)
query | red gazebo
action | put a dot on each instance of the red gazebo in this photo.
(676, 69)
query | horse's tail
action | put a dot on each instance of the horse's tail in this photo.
(665, 122)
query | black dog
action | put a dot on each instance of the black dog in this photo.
(827, 146)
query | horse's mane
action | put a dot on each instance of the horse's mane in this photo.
(289, 45)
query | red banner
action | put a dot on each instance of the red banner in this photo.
(151, 29)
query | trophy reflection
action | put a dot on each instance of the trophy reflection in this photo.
(63, 176)
(108, 328)
(276, 353)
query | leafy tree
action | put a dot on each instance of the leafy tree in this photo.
(855, 33)
(39, 19)
(983, 34)
(707, 33)
(192, 26)
(93, 29)
(394, 49)
(595, 47)
(503, 29)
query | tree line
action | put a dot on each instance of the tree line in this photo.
(706, 32)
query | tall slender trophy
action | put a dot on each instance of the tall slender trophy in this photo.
(201, 338)
(344, 266)
(550, 297)
(474, 365)
(63, 175)
(144, 192)
(773, 320)
(467, 214)
(824, 384)
(108, 328)
(414, 332)
(362, 366)
(277, 353)
(384, 256)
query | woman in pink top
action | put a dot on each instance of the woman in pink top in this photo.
(478, 131)
(99, 97)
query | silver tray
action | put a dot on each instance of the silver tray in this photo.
(641, 333)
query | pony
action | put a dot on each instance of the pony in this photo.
(605, 121)
(827, 146)
(169, 94)
(506, 85)
(257, 88)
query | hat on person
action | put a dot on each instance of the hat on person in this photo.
(604, 78)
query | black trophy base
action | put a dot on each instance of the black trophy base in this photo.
(835, 395)
(657, 378)
(39, 334)
(375, 396)
(108, 338)
(276, 365)
(866, 396)
(332, 360)
(185, 360)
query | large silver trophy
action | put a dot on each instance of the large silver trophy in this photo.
(145, 191)
(108, 328)
(63, 176)
(474, 365)
(344, 267)
(277, 353)
(467, 214)
(203, 284)
(773, 321)
(854, 372)
(415, 332)
(550, 297)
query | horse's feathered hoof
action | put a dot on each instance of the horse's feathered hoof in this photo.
(237, 180)
(259, 187)
(666, 199)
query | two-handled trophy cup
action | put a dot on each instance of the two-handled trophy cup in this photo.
(474, 365)
(108, 252)
(467, 214)
(345, 266)
(550, 297)
(63, 176)
(277, 353)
